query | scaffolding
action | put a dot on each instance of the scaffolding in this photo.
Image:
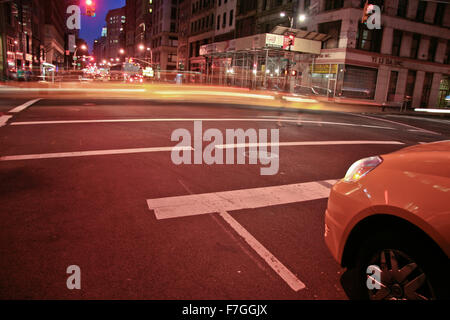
(265, 61)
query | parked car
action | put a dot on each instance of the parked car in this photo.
(391, 214)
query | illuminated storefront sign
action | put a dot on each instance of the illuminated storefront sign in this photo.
(324, 68)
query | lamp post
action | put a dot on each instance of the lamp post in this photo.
(142, 48)
(82, 47)
(301, 18)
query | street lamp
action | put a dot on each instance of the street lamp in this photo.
(301, 18)
(82, 47)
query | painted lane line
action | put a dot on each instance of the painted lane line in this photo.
(305, 143)
(24, 106)
(396, 122)
(297, 99)
(198, 204)
(194, 119)
(419, 118)
(4, 120)
(217, 93)
(91, 153)
(9, 89)
(432, 110)
(285, 274)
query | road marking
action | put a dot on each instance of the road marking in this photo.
(420, 118)
(216, 93)
(90, 153)
(396, 122)
(4, 120)
(10, 89)
(198, 204)
(193, 119)
(432, 110)
(304, 143)
(265, 254)
(24, 106)
(297, 99)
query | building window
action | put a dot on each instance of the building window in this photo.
(410, 83)
(447, 53)
(421, 11)
(440, 12)
(173, 14)
(397, 42)
(334, 30)
(231, 17)
(432, 49)
(426, 89)
(415, 45)
(173, 27)
(224, 20)
(369, 40)
(392, 85)
(218, 22)
(307, 5)
(402, 8)
(333, 4)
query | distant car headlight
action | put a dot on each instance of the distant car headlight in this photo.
(361, 168)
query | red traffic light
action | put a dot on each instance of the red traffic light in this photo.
(90, 8)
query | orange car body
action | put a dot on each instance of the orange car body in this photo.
(412, 184)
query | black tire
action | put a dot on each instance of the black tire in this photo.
(406, 247)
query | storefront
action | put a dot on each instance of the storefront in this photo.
(383, 79)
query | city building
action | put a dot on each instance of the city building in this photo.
(407, 59)
(115, 37)
(164, 43)
(225, 20)
(184, 23)
(31, 33)
(55, 32)
(130, 28)
(201, 32)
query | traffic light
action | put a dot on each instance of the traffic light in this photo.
(291, 40)
(294, 73)
(90, 8)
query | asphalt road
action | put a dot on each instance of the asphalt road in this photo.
(62, 208)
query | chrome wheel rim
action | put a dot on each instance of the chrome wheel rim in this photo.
(400, 278)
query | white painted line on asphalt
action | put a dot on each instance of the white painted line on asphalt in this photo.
(285, 274)
(216, 93)
(298, 99)
(25, 123)
(4, 120)
(305, 143)
(396, 122)
(24, 106)
(91, 153)
(198, 204)
(432, 110)
(11, 89)
(419, 118)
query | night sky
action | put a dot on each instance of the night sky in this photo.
(91, 28)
